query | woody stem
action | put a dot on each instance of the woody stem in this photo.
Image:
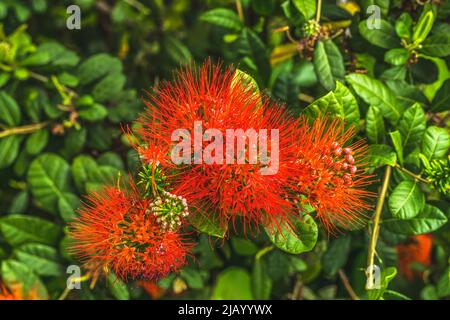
(23, 129)
(376, 225)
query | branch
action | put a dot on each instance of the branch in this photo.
(376, 224)
(23, 130)
(412, 174)
(347, 285)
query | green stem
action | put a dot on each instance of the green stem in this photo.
(376, 224)
(319, 10)
(263, 252)
(23, 130)
(240, 10)
(412, 174)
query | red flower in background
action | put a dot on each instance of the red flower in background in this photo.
(117, 230)
(152, 289)
(16, 292)
(416, 250)
(331, 175)
(220, 100)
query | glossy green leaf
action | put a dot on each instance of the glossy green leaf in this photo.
(375, 125)
(406, 201)
(375, 93)
(435, 143)
(227, 282)
(19, 229)
(302, 239)
(328, 63)
(48, 177)
(429, 220)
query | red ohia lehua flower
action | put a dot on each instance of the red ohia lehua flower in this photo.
(120, 231)
(416, 249)
(220, 100)
(332, 178)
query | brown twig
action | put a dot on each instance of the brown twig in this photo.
(347, 285)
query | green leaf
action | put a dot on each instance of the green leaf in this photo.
(244, 247)
(441, 101)
(67, 206)
(227, 283)
(438, 45)
(118, 289)
(412, 126)
(81, 165)
(348, 103)
(407, 94)
(42, 259)
(111, 159)
(424, 25)
(222, 17)
(302, 239)
(257, 51)
(19, 229)
(328, 104)
(382, 154)
(94, 112)
(102, 175)
(429, 220)
(37, 141)
(60, 57)
(18, 276)
(375, 93)
(375, 125)
(74, 142)
(336, 255)
(263, 7)
(328, 63)
(9, 149)
(48, 177)
(384, 37)
(19, 203)
(261, 282)
(435, 143)
(176, 50)
(398, 145)
(96, 67)
(9, 110)
(194, 278)
(406, 201)
(443, 285)
(106, 90)
(396, 56)
(306, 7)
(208, 224)
(403, 25)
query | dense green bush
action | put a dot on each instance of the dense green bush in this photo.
(65, 96)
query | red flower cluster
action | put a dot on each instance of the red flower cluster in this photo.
(118, 230)
(331, 177)
(220, 101)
